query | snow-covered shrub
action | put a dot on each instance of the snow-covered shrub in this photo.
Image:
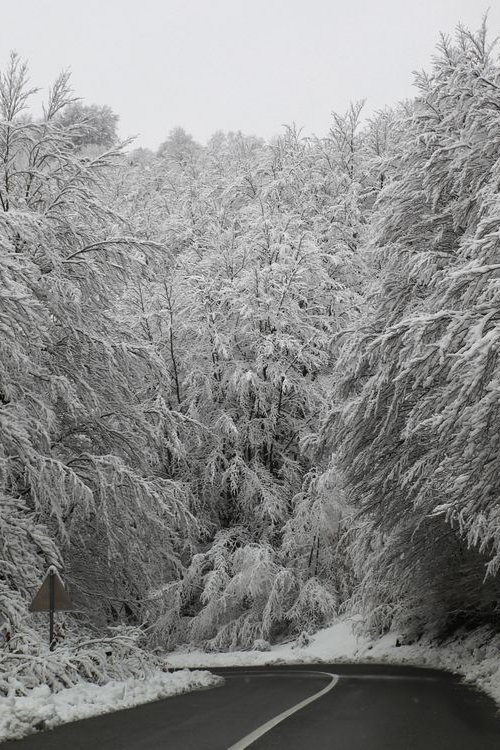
(26, 664)
(238, 593)
(261, 645)
(316, 537)
(313, 607)
(303, 640)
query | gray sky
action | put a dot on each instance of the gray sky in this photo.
(248, 65)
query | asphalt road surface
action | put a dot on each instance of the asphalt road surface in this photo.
(344, 707)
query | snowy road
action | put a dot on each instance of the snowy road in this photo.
(369, 707)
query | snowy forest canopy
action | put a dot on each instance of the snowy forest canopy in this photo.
(249, 386)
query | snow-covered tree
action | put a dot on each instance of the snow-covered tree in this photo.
(81, 479)
(89, 124)
(419, 433)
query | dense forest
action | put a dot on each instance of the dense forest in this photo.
(249, 386)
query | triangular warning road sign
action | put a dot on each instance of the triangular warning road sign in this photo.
(41, 600)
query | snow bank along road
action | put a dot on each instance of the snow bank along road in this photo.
(312, 707)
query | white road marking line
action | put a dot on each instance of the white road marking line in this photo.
(264, 728)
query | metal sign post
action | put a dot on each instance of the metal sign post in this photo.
(51, 597)
(51, 610)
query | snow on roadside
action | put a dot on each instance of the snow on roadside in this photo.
(43, 709)
(474, 656)
(336, 643)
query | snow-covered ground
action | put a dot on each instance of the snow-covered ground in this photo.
(44, 709)
(476, 657)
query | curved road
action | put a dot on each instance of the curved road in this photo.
(362, 707)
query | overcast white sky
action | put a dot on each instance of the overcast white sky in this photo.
(248, 65)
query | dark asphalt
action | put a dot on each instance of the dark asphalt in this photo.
(372, 707)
